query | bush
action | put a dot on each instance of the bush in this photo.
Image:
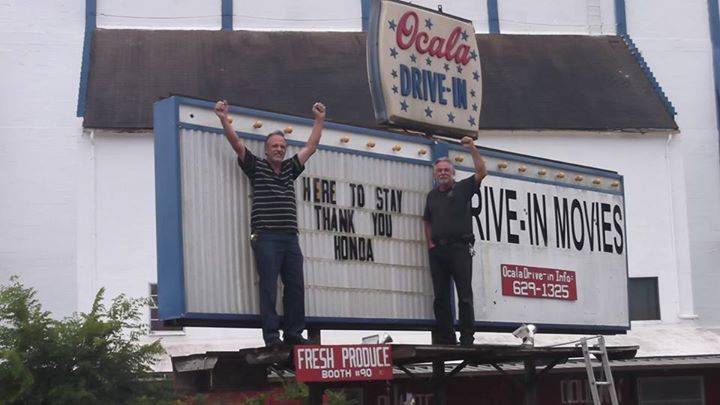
(89, 358)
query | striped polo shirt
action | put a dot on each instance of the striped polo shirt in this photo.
(273, 196)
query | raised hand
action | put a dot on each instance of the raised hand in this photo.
(318, 110)
(221, 109)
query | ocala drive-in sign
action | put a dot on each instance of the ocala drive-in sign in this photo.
(343, 363)
(424, 69)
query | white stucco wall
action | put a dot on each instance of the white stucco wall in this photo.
(40, 57)
(674, 39)
(77, 209)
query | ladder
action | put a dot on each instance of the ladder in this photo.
(605, 378)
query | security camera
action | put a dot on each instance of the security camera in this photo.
(527, 334)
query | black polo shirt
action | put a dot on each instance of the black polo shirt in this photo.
(449, 212)
(273, 196)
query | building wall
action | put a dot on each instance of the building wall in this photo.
(77, 211)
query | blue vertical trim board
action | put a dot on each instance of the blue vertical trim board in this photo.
(493, 17)
(90, 24)
(227, 15)
(365, 6)
(168, 210)
(620, 19)
(714, 18)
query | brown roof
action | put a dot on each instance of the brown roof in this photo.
(529, 81)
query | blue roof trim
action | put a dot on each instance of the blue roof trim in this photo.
(168, 211)
(649, 74)
(90, 24)
(621, 30)
(227, 15)
(493, 17)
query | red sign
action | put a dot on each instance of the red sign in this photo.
(343, 363)
(538, 282)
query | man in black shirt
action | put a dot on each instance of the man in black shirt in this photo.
(274, 224)
(449, 235)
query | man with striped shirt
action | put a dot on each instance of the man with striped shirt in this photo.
(274, 224)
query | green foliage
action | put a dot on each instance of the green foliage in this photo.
(295, 390)
(338, 398)
(89, 358)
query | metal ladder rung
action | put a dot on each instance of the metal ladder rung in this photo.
(598, 352)
(602, 382)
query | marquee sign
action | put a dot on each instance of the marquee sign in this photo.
(550, 236)
(424, 69)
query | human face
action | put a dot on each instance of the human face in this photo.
(444, 172)
(275, 148)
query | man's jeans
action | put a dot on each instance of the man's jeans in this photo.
(279, 254)
(452, 262)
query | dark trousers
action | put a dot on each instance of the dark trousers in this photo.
(452, 262)
(279, 254)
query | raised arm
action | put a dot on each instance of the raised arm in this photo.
(312, 142)
(478, 161)
(221, 110)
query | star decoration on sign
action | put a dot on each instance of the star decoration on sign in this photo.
(451, 117)
(395, 89)
(428, 23)
(464, 35)
(428, 61)
(394, 74)
(393, 53)
(459, 69)
(403, 105)
(472, 93)
(471, 120)
(446, 67)
(476, 76)
(428, 112)
(392, 25)
(413, 57)
(474, 106)
(473, 55)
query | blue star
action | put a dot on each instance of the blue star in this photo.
(413, 57)
(403, 105)
(394, 73)
(392, 25)
(451, 117)
(459, 69)
(428, 112)
(446, 67)
(471, 120)
(476, 76)
(472, 93)
(474, 106)
(428, 61)
(395, 89)
(393, 53)
(464, 35)
(473, 55)
(428, 23)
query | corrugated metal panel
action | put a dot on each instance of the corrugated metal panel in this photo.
(219, 267)
(220, 274)
(396, 284)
